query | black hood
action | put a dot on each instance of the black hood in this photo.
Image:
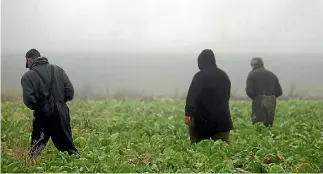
(37, 61)
(206, 59)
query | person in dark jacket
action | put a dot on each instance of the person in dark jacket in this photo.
(46, 89)
(207, 111)
(263, 88)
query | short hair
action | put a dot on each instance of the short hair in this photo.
(257, 62)
(32, 53)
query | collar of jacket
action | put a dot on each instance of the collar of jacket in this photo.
(258, 68)
(38, 61)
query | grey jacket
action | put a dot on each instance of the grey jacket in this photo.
(263, 82)
(35, 90)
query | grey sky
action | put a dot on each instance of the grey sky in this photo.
(162, 25)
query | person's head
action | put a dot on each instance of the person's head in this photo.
(30, 55)
(206, 58)
(257, 62)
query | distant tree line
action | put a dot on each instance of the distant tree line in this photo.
(88, 93)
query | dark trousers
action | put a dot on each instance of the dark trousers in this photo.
(55, 126)
(263, 109)
(197, 135)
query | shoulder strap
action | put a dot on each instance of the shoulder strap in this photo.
(51, 80)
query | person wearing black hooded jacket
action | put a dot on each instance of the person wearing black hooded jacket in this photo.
(207, 111)
(46, 89)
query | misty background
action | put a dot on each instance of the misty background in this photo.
(151, 46)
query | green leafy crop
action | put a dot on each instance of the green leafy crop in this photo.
(133, 136)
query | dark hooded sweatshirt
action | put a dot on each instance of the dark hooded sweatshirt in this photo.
(208, 97)
(35, 91)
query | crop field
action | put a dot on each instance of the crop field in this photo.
(133, 136)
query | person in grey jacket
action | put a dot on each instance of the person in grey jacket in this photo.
(46, 89)
(263, 88)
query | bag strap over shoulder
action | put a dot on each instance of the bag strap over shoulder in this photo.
(51, 80)
(50, 87)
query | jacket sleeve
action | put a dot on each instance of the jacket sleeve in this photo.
(250, 86)
(193, 96)
(68, 86)
(28, 92)
(278, 89)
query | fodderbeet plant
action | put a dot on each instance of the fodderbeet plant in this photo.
(150, 136)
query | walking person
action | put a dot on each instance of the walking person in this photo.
(263, 88)
(207, 111)
(46, 89)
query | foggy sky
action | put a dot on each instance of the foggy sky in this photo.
(162, 25)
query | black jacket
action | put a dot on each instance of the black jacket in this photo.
(35, 91)
(263, 82)
(208, 96)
